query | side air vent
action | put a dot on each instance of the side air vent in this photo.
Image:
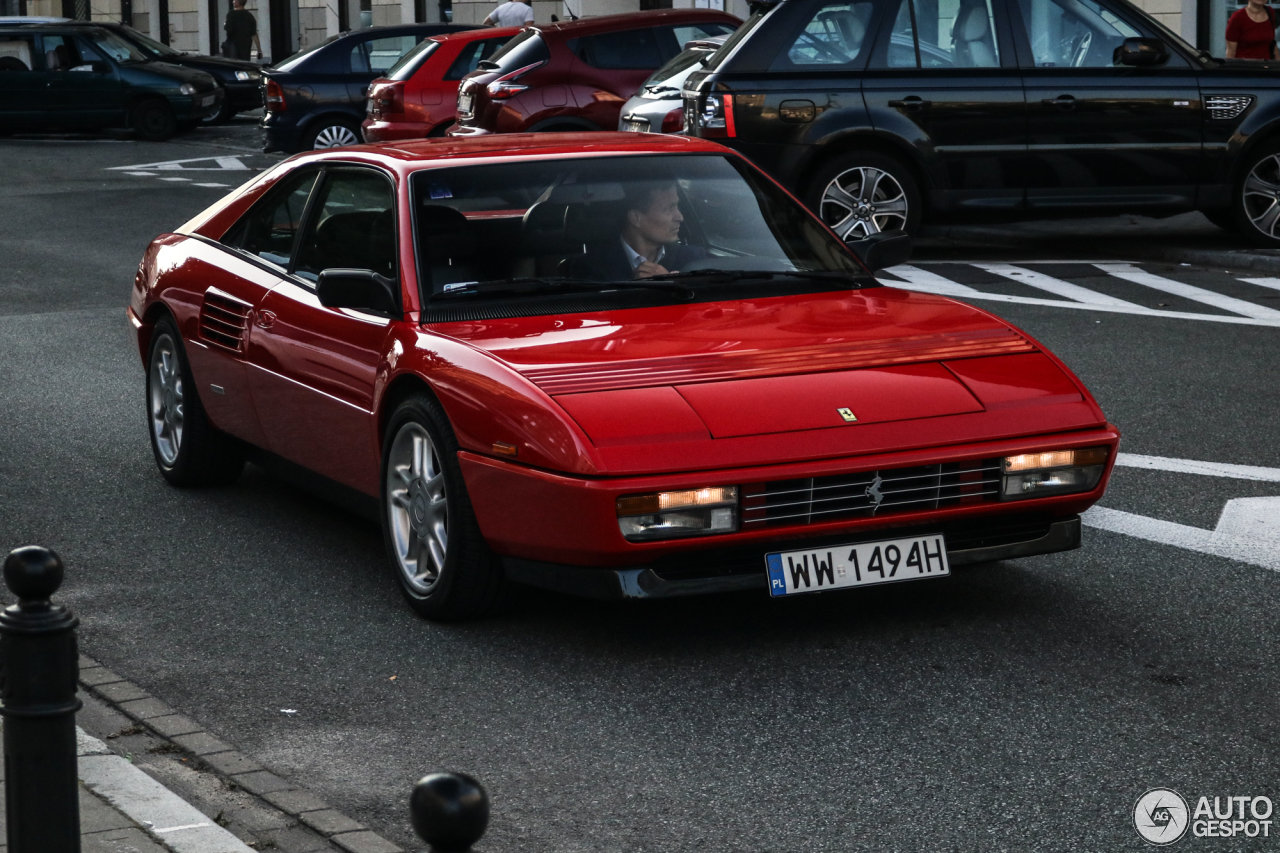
(223, 320)
(1227, 107)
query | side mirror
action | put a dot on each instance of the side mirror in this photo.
(363, 290)
(1140, 53)
(883, 250)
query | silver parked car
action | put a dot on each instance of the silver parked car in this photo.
(657, 107)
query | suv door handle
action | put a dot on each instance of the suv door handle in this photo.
(911, 102)
(1066, 103)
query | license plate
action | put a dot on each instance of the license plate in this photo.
(863, 564)
(464, 102)
(635, 125)
(207, 100)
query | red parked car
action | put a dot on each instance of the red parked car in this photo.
(576, 75)
(418, 96)
(615, 364)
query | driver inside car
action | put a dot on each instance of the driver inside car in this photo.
(647, 242)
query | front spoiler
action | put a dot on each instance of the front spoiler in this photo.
(644, 582)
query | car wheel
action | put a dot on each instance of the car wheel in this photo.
(442, 563)
(1257, 198)
(188, 449)
(224, 114)
(332, 133)
(154, 121)
(863, 193)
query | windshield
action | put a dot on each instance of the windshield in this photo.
(671, 75)
(113, 45)
(147, 44)
(621, 219)
(407, 65)
(288, 64)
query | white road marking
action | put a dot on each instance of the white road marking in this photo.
(1197, 294)
(1191, 466)
(125, 786)
(187, 180)
(212, 185)
(1273, 283)
(1218, 542)
(221, 163)
(929, 282)
(141, 174)
(1053, 285)
(1251, 518)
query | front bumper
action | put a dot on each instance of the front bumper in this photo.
(195, 108)
(737, 569)
(244, 96)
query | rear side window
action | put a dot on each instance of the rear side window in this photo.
(409, 64)
(941, 34)
(836, 35)
(522, 50)
(60, 53)
(17, 52)
(354, 226)
(268, 230)
(471, 57)
(627, 50)
(375, 56)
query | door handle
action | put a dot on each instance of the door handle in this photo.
(1066, 103)
(264, 319)
(911, 103)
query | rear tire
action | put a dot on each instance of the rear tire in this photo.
(188, 449)
(332, 133)
(442, 563)
(863, 193)
(1256, 200)
(154, 121)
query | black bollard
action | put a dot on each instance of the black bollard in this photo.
(450, 811)
(39, 667)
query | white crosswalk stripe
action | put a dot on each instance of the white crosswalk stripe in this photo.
(1078, 297)
(1188, 291)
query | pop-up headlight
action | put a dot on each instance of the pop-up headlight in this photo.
(667, 515)
(1052, 472)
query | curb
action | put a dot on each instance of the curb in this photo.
(231, 766)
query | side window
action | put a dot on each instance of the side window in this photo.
(60, 53)
(941, 34)
(1072, 33)
(354, 226)
(376, 56)
(17, 52)
(471, 57)
(629, 49)
(834, 36)
(269, 228)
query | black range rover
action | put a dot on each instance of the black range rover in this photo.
(879, 113)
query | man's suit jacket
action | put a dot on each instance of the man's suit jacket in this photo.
(608, 261)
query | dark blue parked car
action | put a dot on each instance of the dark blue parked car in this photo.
(316, 98)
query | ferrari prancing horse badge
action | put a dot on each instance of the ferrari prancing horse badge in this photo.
(848, 415)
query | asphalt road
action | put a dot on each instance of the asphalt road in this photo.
(1020, 706)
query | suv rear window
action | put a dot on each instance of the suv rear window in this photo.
(524, 49)
(835, 36)
(628, 49)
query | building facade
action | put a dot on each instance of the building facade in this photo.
(286, 26)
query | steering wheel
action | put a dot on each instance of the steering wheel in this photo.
(1081, 49)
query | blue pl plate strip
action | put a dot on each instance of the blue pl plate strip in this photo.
(777, 580)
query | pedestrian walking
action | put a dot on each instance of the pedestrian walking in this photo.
(513, 13)
(1251, 32)
(242, 30)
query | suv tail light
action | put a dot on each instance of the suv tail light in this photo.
(716, 117)
(673, 122)
(386, 99)
(275, 97)
(506, 87)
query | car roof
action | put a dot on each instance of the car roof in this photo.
(482, 33)
(404, 155)
(651, 18)
(401, 29)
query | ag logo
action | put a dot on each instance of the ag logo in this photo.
(1161, 816)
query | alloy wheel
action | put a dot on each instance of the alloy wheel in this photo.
(1261, 196)
(418, 507)
(863, 201)
(335, 136)
(166, 401)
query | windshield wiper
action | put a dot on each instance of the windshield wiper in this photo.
(536, 284)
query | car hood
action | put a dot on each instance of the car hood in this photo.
(200, 79)
(215, 63)
(847, 369)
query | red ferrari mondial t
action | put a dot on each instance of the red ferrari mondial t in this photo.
(618, 365)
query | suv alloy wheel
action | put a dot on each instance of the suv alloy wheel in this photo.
(863, 193)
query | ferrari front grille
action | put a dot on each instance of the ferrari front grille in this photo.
(224, 320)
(870, 493)
(1227, 107)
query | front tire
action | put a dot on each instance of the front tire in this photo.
(863, 193)
(188, 449)
(154, 121)
(441, 561)
(1256, 202)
